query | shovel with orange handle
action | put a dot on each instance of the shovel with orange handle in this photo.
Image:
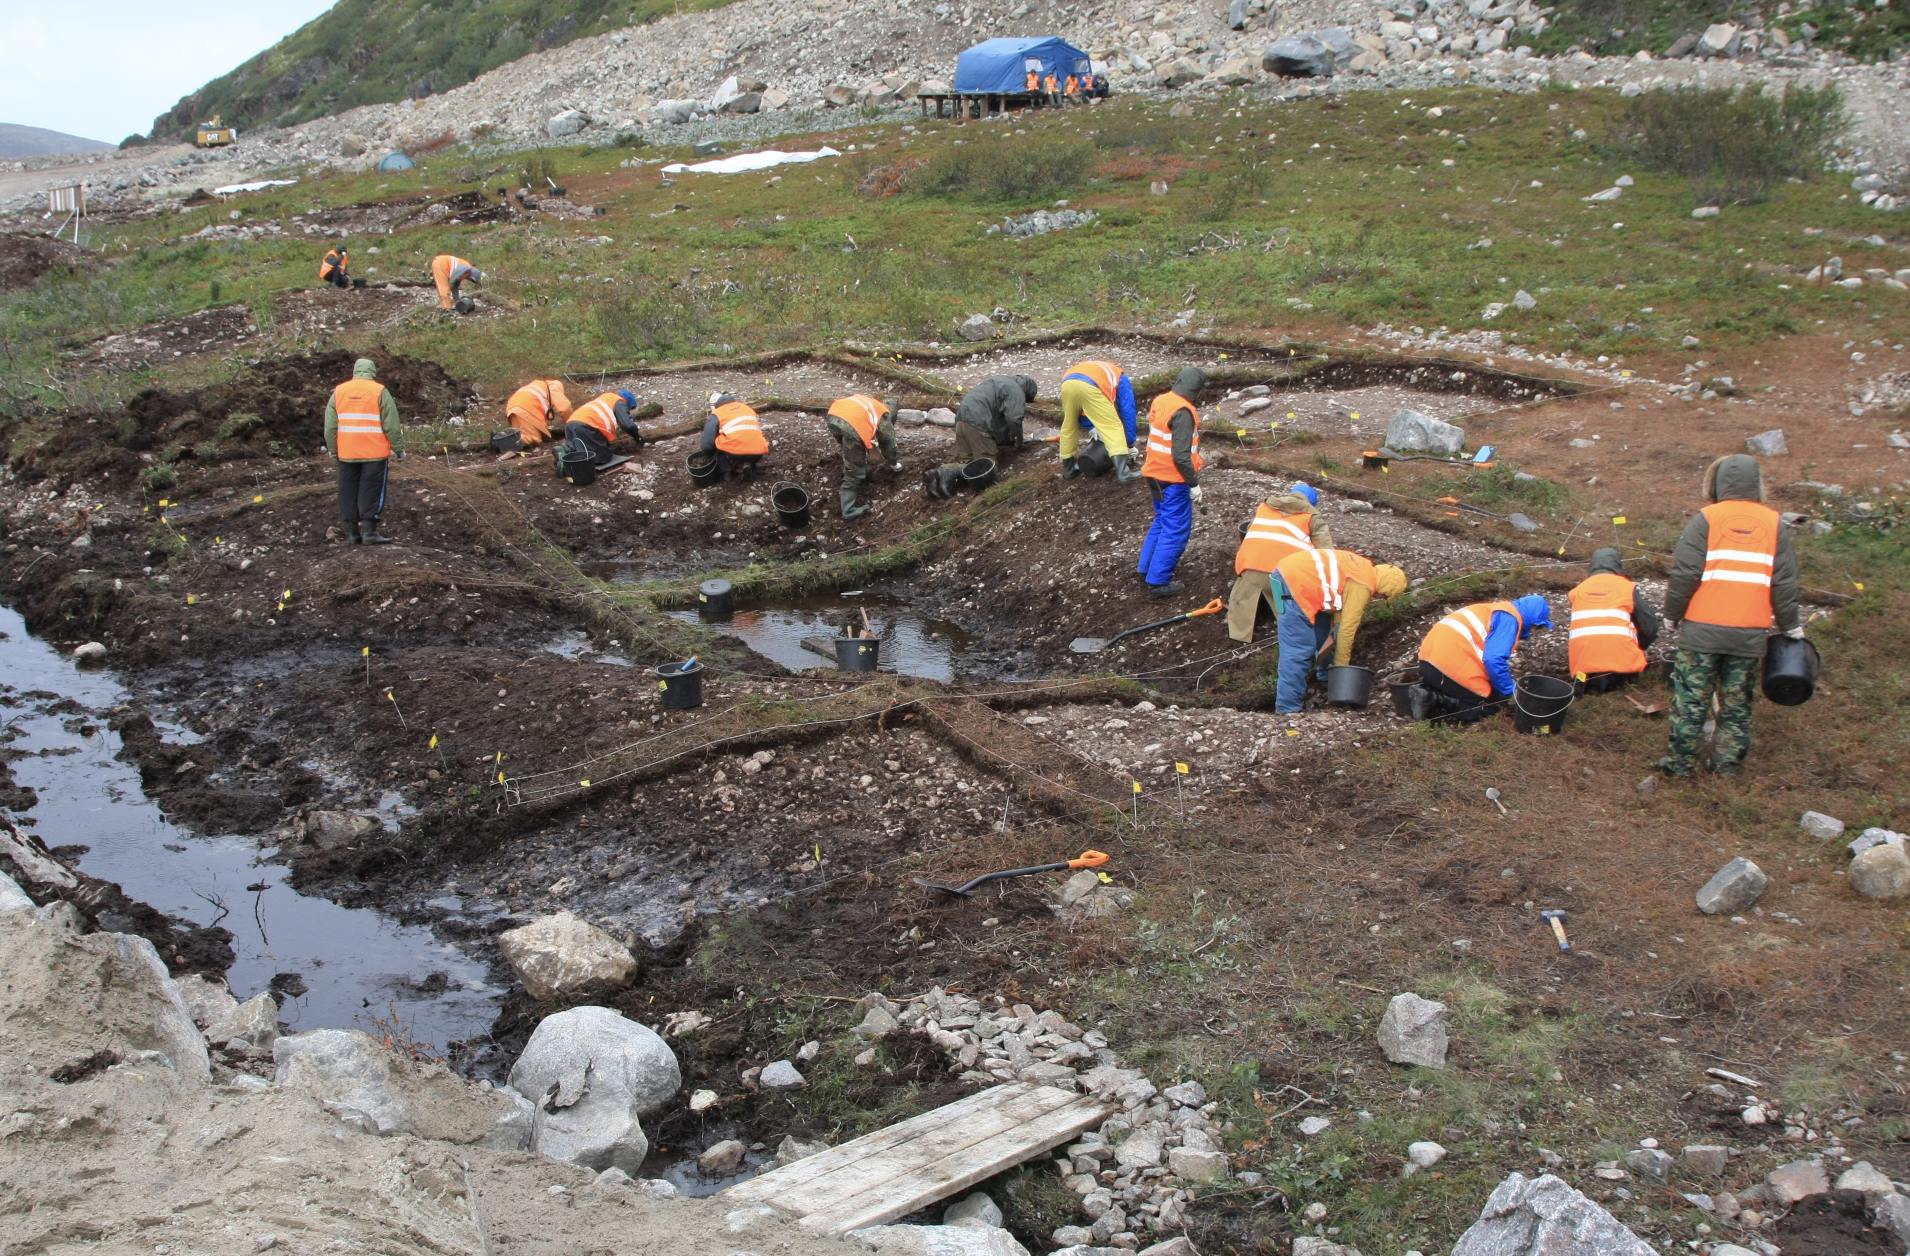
(1088, 859)
(1094, 645)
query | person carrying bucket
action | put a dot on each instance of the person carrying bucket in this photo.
(734, 433)
(1612, 626)
(988, 424)
(862, 423)
(595, 424)
(1465, 662)
(1316, 592)
(1732, 575)
(1284, 524)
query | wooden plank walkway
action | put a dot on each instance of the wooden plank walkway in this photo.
(894, 1171)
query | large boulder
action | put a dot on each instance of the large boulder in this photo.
(1298, 56)
(1413, 432)
(559, 954)
(1338, 41)
(748, 102)
(674, 112)
(839, 95)
(1881, 872)
(569, 122)
(592, 1075)
(1177, 73)
(12, 897)
(1721, 39)
(378, 1092)
(1413, 1031)
(1236, 73)
(1237, 15)
(1545, 1217)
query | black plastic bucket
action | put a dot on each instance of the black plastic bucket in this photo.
(682, 685)
(857, 654)
(979, 474)
(1349, 686)
(716, 599)
(1400, 684)
(1245, 525)
(1539, 703)
(576, 466)
(465, 305)
(792, 504)
(1790, 671)
(702, 463)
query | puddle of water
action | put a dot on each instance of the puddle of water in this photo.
(912, 644)
(577, 647)
(355, 963)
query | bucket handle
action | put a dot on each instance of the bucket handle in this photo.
(1572, 698)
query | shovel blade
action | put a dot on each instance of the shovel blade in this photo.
(946, 889)
(1088, 645)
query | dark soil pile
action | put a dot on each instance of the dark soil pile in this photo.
(1836, 1223)
(25, 257)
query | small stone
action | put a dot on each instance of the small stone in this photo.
(1648, 784)
(1725, 1204)
(613, 1177)
(1689, 342)
(1186, 1095)
(1179, 1245)
(1768, 444)
(1073, 1236)
(1862, 1177)
(1821, 826)
(721, 1159)
(808, 1051)
(1413, 432)
(876, 1023)
(1413, 1031)
(657, 1188)
(1425, 1154)
(975, 1209)
(977, 327)
(1705, 211)
(1141, 1149)
(702, 1100)
(1314, 1126)
(1706, 1158)
(569, 122)
(1882, 872)
(1080, 885)
(558, 954)
(1197, 1167)
(865, 1058)
(1544, 1214)
(92, 654)
(781, 1075)
(1649, 1162)
(1732, 888)
(1893, 1216)
(1875, 837)
(1314, 1213)
(1524, 300)
(792, 1149)
(1796, 1180)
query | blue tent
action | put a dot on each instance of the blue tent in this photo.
(396, 161)
(1002, 65)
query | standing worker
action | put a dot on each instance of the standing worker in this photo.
(1612, 626)
(861, 423)
(1097, 394)
(1732, 574)
(1465, 662)
(1315, 593)
(1172, 471)
(448, 272)
(988, 424)
(335, 269)
(734, 433)
(536, 408)
(593, 426)
(1283, 524)
(361, 432)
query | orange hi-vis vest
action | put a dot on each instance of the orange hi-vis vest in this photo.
(1739, 557)
(601, 413)
(1271, 537)
(1034, 81)
(1457, 644)
(862, 412)
(739, 431)
(1603, 638)
(1073, 85)
(1316, 579)
(1160, 440)
(1105, 375)
(361, 422)
(337, 259)
(1049, 81)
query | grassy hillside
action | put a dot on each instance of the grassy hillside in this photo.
(363, 52)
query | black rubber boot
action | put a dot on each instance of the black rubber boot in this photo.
(1171, 589)
(1420, 701)
(355, 538)
(1124, 472)
(373, 536)
(1070, 469)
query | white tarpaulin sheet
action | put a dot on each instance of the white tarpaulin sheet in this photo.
(743, 162)
(261, 185)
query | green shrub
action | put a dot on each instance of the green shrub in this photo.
(1003, 170)
(1735, 144)
(239, 427)
(158, 479)
(647, 316)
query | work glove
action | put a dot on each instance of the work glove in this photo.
(1194, 493)
(1795, 634)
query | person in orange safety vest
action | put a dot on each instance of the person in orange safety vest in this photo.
(734, 433)
(1284, 523)
(1465, 660)
(362, 432)
(860, 423)
(598, 422)
(447, 272)
(1611, 626)
(1172, 472)
(335, 269)
(537, 409)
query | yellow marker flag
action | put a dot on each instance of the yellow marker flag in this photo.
(1240, 431)
(500, 778)
(1293, 732)
(1105, 878)
(287, 595)
(1356, 414)
(218, 540)
(1858, 585)
(1223, 357)
(164, 502)
(1181, 768)
(585, 784)
(391, 695)
(434, 742)
(1292, 415)
(366, 651)
(1618, 518)
(1137, 787)
(192, 599)
(1624, 375)
(256, 500)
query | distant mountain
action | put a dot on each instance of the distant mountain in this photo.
(364, 52)
(32, 141)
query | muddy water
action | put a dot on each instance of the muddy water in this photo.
(354, 963)
(912, 644)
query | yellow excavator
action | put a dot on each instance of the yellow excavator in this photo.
(214, 134)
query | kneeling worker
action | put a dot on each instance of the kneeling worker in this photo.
(861, 423)
(1317, 592)
(595, 424)
(734, 433)
(1097, 394)
(1172, 471)
(988, 424)
(1612, 626)
(362, 431)
(536, 408)
(447, 272)
(1466, 659)
(336, 268)
(1283, 524)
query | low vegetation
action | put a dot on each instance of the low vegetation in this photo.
(1733, 145)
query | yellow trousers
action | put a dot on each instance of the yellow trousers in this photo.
(1078, 398)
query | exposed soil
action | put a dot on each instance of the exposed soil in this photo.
(27, 255)
(1832, 1224)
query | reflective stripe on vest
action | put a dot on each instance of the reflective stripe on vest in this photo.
(739, 431)
(1271, 537)
(1456, 645)
(1103, 375)
(861, 412)
(361, 422)
(1160, 439)
(1603, 638)
(534, 394)
(1740, 555)
(1316, 579)
(601, 413)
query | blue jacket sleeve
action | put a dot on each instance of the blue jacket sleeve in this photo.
(1124, 402)
(1501, 639)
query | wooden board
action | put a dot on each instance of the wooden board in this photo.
(897, 1170)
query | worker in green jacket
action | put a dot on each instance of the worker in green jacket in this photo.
(988, 424)
(362, 432)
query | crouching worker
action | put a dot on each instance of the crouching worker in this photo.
(861, 423)
(1733, 573)
(335, 269)
(1465, 662)
(734, 433)
(988, 424)
(362, 431)
(1283, 524)
(1172, 470)
(1316, 592)
(598, 422)
(536, 409)
(1099, 396)
(1612, 626)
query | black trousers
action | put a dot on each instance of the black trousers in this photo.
(1457, 702)
(729, 466)
(361, 490)
(339, 279)
(586, 438)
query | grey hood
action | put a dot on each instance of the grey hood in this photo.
(1734, 478)
(1028, 386)
(1607, 561)
(1190, 382)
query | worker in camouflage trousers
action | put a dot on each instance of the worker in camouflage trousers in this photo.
(862, 423)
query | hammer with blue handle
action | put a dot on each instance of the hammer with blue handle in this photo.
(1557, 919)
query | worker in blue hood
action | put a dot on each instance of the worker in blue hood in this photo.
(1465, 662)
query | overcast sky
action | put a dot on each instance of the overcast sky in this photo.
(105, 68)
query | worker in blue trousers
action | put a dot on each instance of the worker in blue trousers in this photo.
(1172, 472)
